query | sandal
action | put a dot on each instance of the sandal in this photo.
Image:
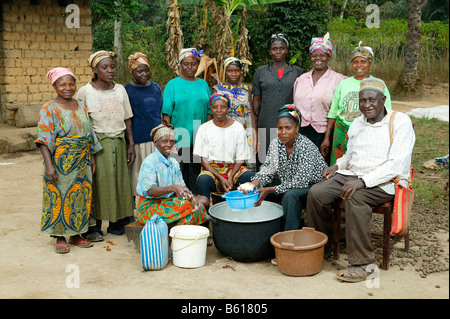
(93, 237)
(65, 248)
(353, 274)
(80, 242)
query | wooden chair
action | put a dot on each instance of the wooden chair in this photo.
(388, 240)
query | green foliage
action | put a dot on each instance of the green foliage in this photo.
(300, 19)
(145, 31)
(149, 40)
(431, 142)
(388, 42)
(114, 9)
(435, 10)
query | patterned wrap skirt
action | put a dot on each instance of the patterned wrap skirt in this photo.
(224, 170)
(173, 210)
(340, 139)
(67, 203)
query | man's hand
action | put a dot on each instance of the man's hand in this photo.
(330, 171)
(350, 187)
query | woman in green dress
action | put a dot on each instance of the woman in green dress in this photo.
(66, 140)
(110, 111)
(186, 107)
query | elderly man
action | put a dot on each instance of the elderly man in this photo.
(363, 176)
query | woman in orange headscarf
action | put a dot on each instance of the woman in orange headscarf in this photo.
(146, 102)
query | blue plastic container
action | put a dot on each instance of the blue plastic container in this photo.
(237, 200)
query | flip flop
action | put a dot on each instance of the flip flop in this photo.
(83, 243)
(353, 274)
(63, 251)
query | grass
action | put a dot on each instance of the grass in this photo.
(432, 141)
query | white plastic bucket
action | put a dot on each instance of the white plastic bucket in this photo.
(189, 244)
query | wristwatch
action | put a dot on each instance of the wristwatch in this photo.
(363, 182)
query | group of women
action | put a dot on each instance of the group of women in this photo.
(113, 146)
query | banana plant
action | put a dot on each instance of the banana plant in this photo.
(225, 43)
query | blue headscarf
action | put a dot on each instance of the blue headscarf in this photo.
(219, 96)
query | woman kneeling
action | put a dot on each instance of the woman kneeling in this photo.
(161, 188)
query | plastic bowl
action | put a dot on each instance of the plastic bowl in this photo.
(237, 200)
(299, 252)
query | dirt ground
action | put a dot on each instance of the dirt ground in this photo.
(30, 269)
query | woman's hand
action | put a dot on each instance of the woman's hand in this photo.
(230, 182)
(182, 191)
(246, 187)
(131, 155)
(50, 173)
(263, 192)
(255, 141)
(93, 164)
(196, 204)
(225, 184)
(325, 147)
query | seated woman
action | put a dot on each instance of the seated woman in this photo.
(161, 189)
(223, 148)
(297, 163)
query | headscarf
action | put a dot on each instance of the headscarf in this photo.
(278, 36)
(160, 131)
(96, 57)
(232, 60)
(291, 111)
(136, 60)
(220, 96)
(323, 44)
(362, 51)
(56, 73)
(190, 52)
(372, 84)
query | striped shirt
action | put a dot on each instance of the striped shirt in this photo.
(370, 155)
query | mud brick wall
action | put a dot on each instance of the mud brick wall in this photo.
(34, 39)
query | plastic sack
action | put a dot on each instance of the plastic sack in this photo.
(154, 244)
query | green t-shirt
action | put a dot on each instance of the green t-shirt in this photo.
(187, 104)
(345, 104)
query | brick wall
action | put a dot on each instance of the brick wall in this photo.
(34, 39)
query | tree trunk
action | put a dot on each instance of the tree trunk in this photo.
(344, 4)
(118, 49)
(409, 80)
